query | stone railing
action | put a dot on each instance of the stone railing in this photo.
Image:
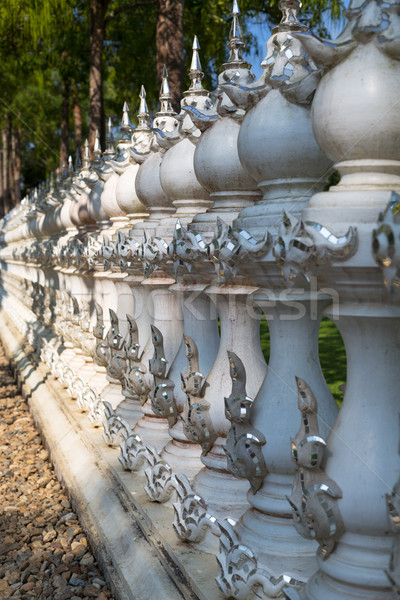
(121, 274)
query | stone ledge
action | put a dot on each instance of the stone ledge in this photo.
(131, 537)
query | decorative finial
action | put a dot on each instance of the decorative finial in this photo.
(143, 114)
(64, 173)
(97, 147)
(165, 96)
(290, 10)
(195, 73)
(109, 139)
(70, 166)
(126, 127)
(235, 44)
(51, 182)
(86, 155)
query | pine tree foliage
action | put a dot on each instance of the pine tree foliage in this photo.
(44, 45)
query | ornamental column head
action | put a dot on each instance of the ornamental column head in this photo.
(355, 110)
(165, 95)
(236, 44)
(165, 124)
(216, 161)
(86, 155)
(149, 149)
(143, 136)
(276, 143)
(126, 126)
(110, 150)
(196, 98)
(97, 148)
(177, 175)
(143, 114)
(70, 167)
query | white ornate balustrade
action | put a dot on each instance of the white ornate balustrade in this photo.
(117, 277)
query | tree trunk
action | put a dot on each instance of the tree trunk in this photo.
(97, 10)
(77, 116)
(169, 41)
(64, 140)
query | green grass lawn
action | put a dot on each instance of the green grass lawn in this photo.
(331, 353)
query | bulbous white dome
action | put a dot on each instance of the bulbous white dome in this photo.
(148, 183)
(276, 142)
(177, 172)
(127, 198)
(355, 109)
(216, 160)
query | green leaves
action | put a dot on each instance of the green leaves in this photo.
(45, 41)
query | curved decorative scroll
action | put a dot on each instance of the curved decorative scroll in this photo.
(127, 250)
(134, 452)
(114, 427)
(97, 411)
(162, 392)
(244, 442)
(197, 423)
(314, 495)
(230, 247)
(386, 243)
(238, 573)
(101, 349)
(301, 246)
(370, 21)
(191, 520)
(151, 252)
(85, 398)
(114, 338)
(160, 482)
(99, 327)
(107, 253)
(186, 247)
(116, 366)
(131, 343)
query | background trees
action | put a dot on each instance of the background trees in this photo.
(66, 64)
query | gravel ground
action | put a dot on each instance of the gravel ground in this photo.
(43, 551)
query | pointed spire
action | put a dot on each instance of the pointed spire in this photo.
(70, 166)
(86, 155)
(143, 114)
(51, 182)
(64, 173)
(195, 64)
(235, 27)
(126, 127)
(195, 73)
(235, 44)
(109, 139)
(165, 96)
(97, 147)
